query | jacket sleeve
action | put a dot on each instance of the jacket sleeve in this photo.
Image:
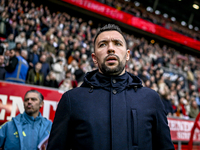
(3, 129)
(161, 133)
(60, 136)
(12, 65)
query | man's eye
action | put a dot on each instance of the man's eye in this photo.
(101, 45)
(118, 44)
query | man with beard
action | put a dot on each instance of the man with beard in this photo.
(27, 130)
(111, 109)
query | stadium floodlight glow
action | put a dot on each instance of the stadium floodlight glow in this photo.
(196, 28)
(173, 18)
(195, 6)
(190, 26)
(152, 41)
(183, 23)
(137, 3)
(165, 15)
(157, 12)
(149, 9)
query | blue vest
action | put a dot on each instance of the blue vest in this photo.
(20, 72)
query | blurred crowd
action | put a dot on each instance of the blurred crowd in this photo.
(55, 50)
(141, 12)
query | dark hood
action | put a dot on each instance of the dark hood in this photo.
(95, 79)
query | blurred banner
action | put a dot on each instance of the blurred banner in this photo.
(181, 129)
(12, 96)
(136, 22)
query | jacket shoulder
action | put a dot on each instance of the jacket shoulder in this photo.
(18, 118)
(46, 121)
(149, 90)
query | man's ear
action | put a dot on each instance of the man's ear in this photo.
(94, 58)
(41, 104)
(127, 54)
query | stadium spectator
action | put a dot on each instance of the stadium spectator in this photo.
(61, 56)
(16, 68)
(3, 24)
(20, 38)
(12, 29)
(21, 25)
(197, 98)
(24, 54)
(80, 73)
(49, 45)
(35, 76)
(194, 109)
(58, 70)
(2, 68)
(11, 42)
(28, 32)
(69, 75)
(66, 85)
(33, 56)
(45, 66)
(51, 80)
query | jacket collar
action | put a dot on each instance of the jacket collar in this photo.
(31, 119)
(95, 79)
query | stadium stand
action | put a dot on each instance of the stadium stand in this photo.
(63, 42)
(141, 11)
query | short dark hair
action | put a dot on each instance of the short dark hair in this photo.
(35, 91)
(110, 27)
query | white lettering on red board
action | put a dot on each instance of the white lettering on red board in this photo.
(4, 102)
(17, 102)
(46, 109)
(183, 135)
(176, 125)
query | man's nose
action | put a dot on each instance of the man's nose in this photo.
(29, 100)
(110, 48)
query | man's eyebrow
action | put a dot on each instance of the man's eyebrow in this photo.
(117, 40)
(113, 40)
(31, 98)
(102, 41)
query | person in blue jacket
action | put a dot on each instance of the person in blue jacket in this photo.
(111, 110)
(17, 68)
(26, 131)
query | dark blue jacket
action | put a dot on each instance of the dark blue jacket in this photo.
(110, 113)
(45, 69)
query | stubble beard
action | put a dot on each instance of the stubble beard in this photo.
(31, 112)
(113, 71)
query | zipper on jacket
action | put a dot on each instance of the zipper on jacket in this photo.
(135, 88)
(91, 89)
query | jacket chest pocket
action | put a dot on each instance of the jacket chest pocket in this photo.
(134, 128)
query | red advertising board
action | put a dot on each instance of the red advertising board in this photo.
(11, 104)
(131, 20)
(12, 95)
(180, 130)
